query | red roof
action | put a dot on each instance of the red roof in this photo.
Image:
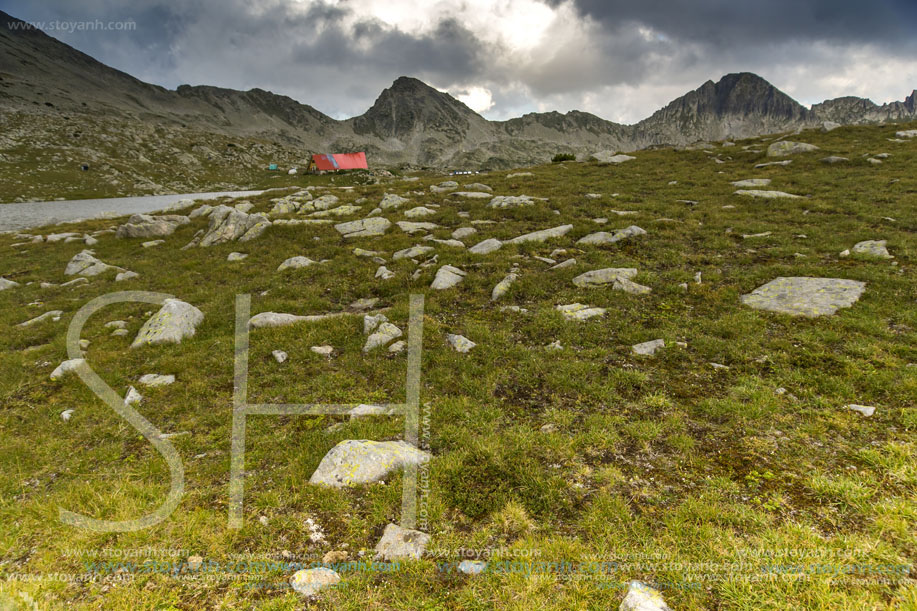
(340, 161)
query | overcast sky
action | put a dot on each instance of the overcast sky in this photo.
(619, 59)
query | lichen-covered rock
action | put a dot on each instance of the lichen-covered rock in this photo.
(460, 343)
(785, 147)
(463, 232)
(390, 200)
(355, 462)
(803, 296)
(418, 212)
(415, 227)
(66, 367)
(578, 311)
(399, 543)
(503, 286)
(641, 597)
(364, 227)
(175, 321)
(310, 582)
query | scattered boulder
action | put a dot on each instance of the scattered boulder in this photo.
(611, 157)
(322, 350)
(486, 247)
(460, 343)
(479, 186)
(354, 462)
(132, 397)
(603, 237)
(766, 194)
(641, 597)
(364, 227)
(752, 182)
(511, 201)
(152, 243)
(52, 315)
(128, 275)
(463, 232)
(608, 275)
(148, 226)
(412, 252)
(418, 212)
(503, 286)
(802, 296)
(153, 379)
(398, 543)
(648, 348)
(578, 311)
(85, 264)
(834, 159)
(384, 273)
(385, 333)
(447, 277)
(236, 256)
(278, 319)
(768, 164)
(7, 284)
(279, 355)
(872, 248)
(909, 133)
(390, 200)
(310, 582)
(472, 194)
(175, 321)
(866, 410)
(783, 148)
(628, 286)
(229, 225)
(443, 187)
(415, 227)
(295, 263)
(541, 236)
(66, 367)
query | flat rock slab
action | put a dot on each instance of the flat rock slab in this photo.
(153, 379)
(282, 319)
(766, 194)
(355, 462)
(398, 542)
(785, 147)
(52, 315)
(310, 582)
(541, 236)
(752, 182)
(364, 227)
(578, 311)
(486, 247)
(415, 226)
(608, 275)
(603, 237)
(768, 164)
(473, 194)
(803, 296)
(412, 252)
(648, 348)
(447, 277)
(511, 201)
(173, 322)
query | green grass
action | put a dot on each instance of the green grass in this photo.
(701, 481)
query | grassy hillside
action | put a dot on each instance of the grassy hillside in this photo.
(709, 483)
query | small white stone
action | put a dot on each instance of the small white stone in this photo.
(279, 355)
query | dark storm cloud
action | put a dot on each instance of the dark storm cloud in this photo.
(731, 23)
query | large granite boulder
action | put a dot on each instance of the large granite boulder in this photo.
(173, 322)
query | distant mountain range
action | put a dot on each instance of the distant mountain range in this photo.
(410, 122)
